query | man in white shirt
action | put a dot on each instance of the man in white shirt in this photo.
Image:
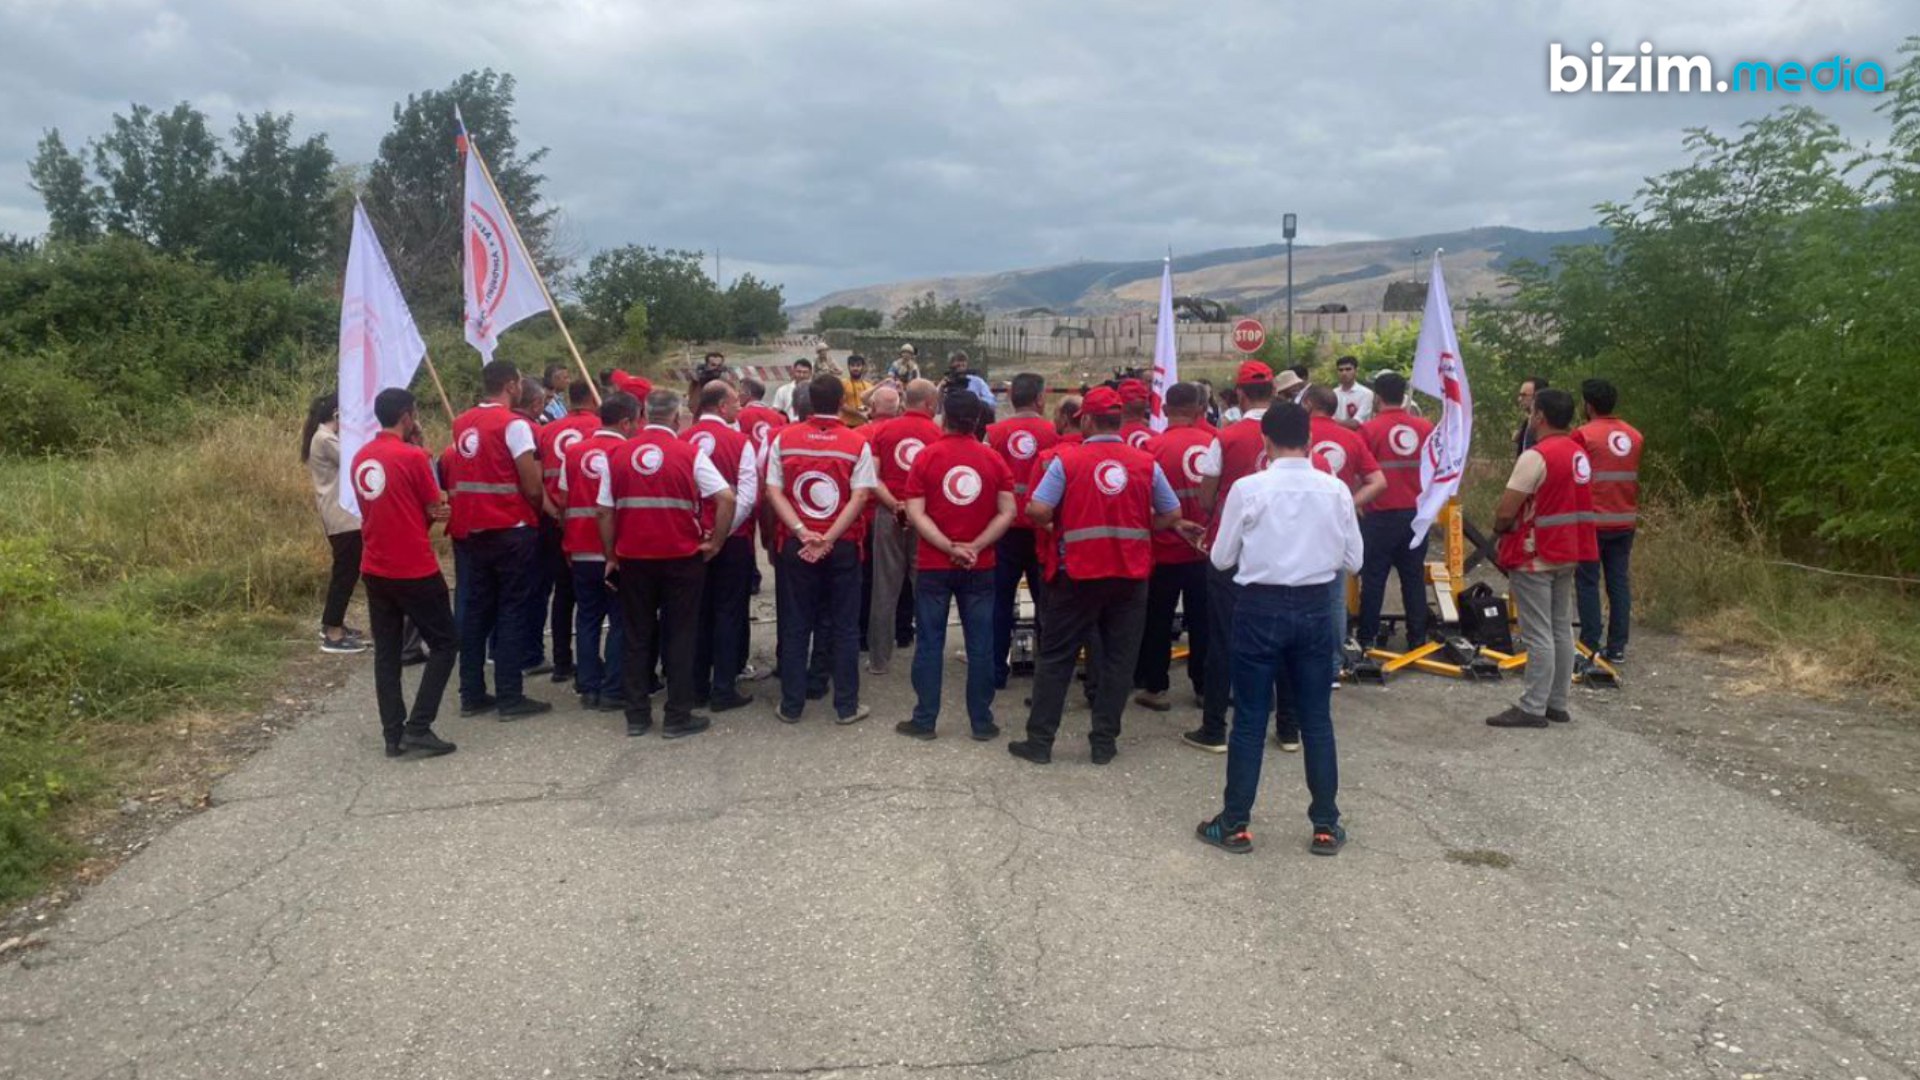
(1291, 532)
(1356, 401)
(783, 398)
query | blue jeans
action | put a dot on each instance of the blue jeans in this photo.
(1282, 629)
(1339, 624)
(973, 594)
(1616, 556)
(593, 603)
(1386, 533)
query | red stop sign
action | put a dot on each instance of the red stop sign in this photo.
(1249, 335)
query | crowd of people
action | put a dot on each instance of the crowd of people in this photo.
(627, 534)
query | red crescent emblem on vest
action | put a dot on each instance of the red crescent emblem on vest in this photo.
(1110, 477)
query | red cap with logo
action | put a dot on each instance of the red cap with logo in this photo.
(1253, 373)
(1132, 390)
(1101, 401)
(632, 384)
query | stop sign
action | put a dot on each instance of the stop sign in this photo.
(1249, 335)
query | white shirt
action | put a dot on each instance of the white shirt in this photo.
(519, 432)
(706, 478)
(865, 473)
(1289, 525)
(746, 490)
(1356, 405)
(783, 400)
(1209, 463)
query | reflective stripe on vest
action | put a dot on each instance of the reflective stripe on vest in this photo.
(581, 512)
(550, 472)
(474, 487)
(1629, 476)
(1104, 532)
(839, 455)
(1614, 519)
(1186, 493)
(1574, 518)
(651, 502)
(1385, 465)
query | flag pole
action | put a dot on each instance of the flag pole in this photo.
(445, 401)
(539, 278)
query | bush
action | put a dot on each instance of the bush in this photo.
(53, 412)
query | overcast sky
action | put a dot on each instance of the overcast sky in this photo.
(826, 143)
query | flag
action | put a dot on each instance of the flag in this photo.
(502, 286)
(1166, 352)
(1439, 371)
(379, 345)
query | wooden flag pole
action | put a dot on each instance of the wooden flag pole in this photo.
(538, 277)
(445, 401)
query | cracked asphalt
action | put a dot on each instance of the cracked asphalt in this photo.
(558, 900)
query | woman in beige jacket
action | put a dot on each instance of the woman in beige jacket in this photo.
(320, 449)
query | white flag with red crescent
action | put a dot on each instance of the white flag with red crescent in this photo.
(500, 281)
(1166, 351)
(379, 345)
(1439, 371)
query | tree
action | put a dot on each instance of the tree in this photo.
(681, 300)
(414, 188)
(275, 198)
(634, 327)
(928, 313)
(73, 204)
(157, 173)
(842, 317)
(755, 310)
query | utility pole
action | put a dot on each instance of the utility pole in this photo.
(1287, 228)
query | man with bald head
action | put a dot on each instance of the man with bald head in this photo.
(885, 404)
(895, 446)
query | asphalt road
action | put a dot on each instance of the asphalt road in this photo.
(558, 900)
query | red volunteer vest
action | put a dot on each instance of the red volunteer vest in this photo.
(1338, 452)
(656, 505)
(1613, 446)
(554, 438)
(897, 443)
(1105, 519)
(483, 483)
(816, 458)
(758, 423)
(1556, 524)
(1178, 451)
(1019, 440)
(724, 447)
(1243, 452)
(1136, 433)
(585, 465)
(1395, 436)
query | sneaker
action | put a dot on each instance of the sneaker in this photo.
(1104, 753)
(729, 702)
(342, 646)
(1200, 740)
(1231, 838)
(914, 731)
(637, 728)
(876, 669)
(1614, 656)
(789, 718)
(1287, 746)
(521, 708)
(986, 734)
(694, 726)
(1028, 750)
(1513, 717)
(1328, 840)
(484, 704)
(1157, 701)
(427, 743)
(855, 717)
(1559, 716)
(1336, 684)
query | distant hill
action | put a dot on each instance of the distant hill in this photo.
(1354, 274)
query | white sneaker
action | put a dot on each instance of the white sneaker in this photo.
(859, 714)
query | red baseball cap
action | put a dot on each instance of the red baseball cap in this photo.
(1253, 372)
(1101, 401)
(1132, 390)
(632, 384)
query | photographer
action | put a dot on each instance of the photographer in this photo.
(959, 377)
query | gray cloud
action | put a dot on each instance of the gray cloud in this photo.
(847, 141)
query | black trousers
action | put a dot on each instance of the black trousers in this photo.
(1174, 584)
(660, 601)
(345, 574)
(1016, 556)
(819, 628)
(394, 605)
(1218, 693)
(1105, 615)
(499, 572)
(720, 650)
(560, 615)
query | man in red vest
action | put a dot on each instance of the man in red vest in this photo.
(1545, 525)
(960, 501)
(1020, 439)
(1136, 401)
(1613, 446)
(1395, 438)
(1103, 499)
(494, 474)
(1239, 451)
(393, 482)
(658, 547)
(598, 676)
(819, 478)
(720, 651)
(1179, 568)
(1343, 454)
(554, 438)
(896, 444)
(759, 422)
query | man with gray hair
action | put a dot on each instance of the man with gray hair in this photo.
(885, 404)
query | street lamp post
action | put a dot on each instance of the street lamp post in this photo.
(1287, 224)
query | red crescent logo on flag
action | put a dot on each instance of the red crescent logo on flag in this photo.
(490, 266)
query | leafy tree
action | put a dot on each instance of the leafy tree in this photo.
(157, 172)
(634, 335)
(843, 317)
(73, 204)
(755, 309)
(928, 313)
(414, 189)
(275, 198)
(681, 301)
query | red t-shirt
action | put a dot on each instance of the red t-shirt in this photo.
(897, 443)
(1341, 452)
(1396, 436)
(394, 483)
(961, 478)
